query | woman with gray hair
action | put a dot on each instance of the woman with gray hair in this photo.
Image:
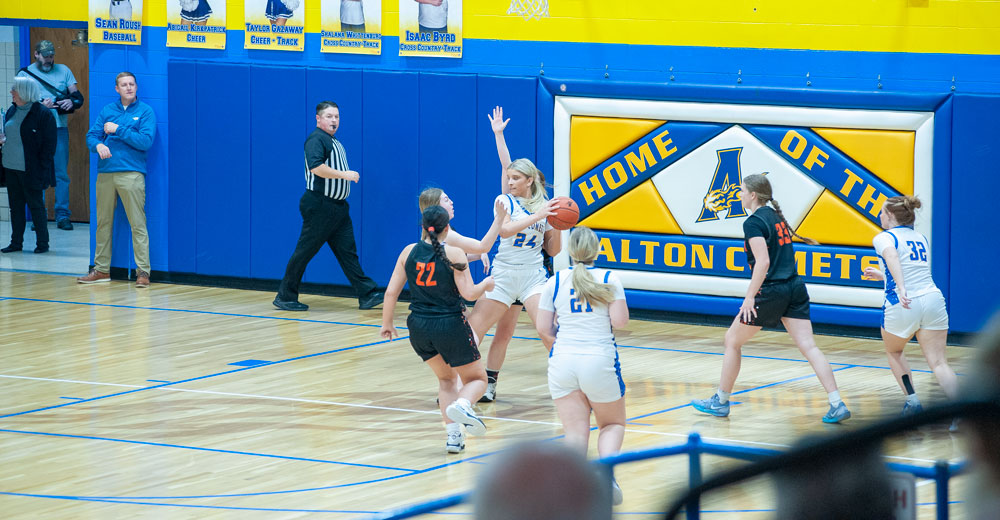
(27, 155)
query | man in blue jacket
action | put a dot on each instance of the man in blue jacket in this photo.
(121, 135)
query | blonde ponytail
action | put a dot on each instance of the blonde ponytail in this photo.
(583, 249)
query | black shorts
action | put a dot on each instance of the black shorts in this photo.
(785, 299)
(450, 336)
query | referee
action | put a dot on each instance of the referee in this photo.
(325, 217)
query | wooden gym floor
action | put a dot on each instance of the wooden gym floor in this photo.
(194, 402)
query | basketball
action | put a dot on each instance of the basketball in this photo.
(567, 214)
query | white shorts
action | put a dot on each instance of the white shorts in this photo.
(516, 284)
(926, 311)
(598, 377)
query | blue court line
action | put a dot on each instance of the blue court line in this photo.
(212, 313)
(302, 320)
(395, 477)
(288, 491)
(233, 371)
(196, 448)
(433, 468)
(70, 397)
(792, 380)
(771, 358)
(157, 381)
(105, 500)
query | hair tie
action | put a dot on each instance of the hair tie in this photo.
(430, 228)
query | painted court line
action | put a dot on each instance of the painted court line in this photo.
(190, 311)
(199, 378)
(213, 450)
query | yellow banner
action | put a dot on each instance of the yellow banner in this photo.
(351, 26)
(115, 21)
(430, 28)
(200, 24)
(274, 24)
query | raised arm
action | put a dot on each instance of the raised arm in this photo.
(478, 247)
(497, 124)
(396, 282)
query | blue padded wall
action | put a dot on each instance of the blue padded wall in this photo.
(276, 177)
(223, 182)
(517, 96)
(183, 170)
(975, 292)
(390, 183)
(447, 131)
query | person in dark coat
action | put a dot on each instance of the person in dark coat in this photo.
(27, 155)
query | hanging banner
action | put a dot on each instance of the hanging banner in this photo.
(115, 21)
(430, 28)
(274, 24)
(351, 26)
(196, 23)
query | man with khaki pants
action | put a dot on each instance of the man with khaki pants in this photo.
(121, 135)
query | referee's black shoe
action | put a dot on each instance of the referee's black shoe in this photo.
(371, 301)
(289, 305)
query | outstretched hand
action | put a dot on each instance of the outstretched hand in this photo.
(497, 122)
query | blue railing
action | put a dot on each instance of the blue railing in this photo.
(940, 473)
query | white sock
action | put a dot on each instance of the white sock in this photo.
(834, 398)
(463, 402)
(453, 427)
(912, 399)
(723, 396)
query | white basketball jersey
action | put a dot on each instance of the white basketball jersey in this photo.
(914, 254)
(524, 249)
(584, 327)
(433, 16)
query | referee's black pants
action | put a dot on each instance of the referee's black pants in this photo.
(324, 220)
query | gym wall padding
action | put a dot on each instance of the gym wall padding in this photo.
(975, 182)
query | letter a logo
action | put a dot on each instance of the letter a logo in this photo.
(724, 192)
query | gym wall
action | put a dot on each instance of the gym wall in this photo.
(226, 168)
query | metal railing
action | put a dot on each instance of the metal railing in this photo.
(694, 448)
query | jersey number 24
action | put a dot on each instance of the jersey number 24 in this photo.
(519, 240)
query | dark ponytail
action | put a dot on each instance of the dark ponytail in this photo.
(759, 184)
(434, 221)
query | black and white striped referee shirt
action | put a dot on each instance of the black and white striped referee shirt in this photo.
(322, 148)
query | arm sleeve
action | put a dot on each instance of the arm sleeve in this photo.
(882, 241)
(617, 287)
(141, 135)
(96, 135)
(70, 78)
(48, 150)
(316, 153)
(505, 200)
(755, 227)
(545, 303)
